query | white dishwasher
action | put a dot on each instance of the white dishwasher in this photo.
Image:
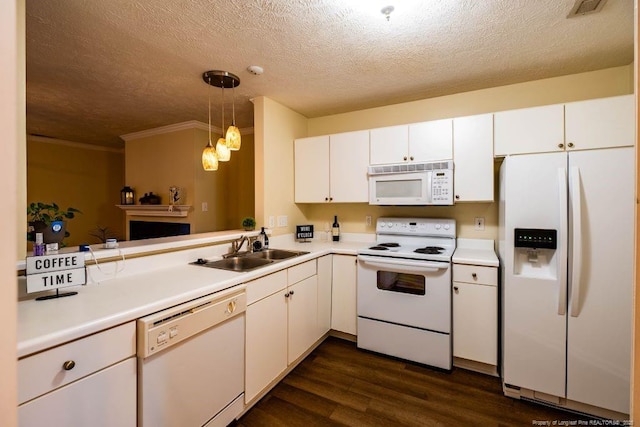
(191, 362)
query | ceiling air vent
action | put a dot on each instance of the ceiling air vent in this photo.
(584, 7)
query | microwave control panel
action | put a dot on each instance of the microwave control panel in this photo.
(442, 187)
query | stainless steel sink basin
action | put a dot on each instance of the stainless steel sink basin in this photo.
(276, 254)
(250, 261)
(238, 263)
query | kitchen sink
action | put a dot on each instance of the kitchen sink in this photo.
(250, 261)
(237, 263)
(275, 254)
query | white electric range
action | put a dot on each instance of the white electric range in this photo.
(404, 290)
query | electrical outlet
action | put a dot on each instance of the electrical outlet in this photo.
(367, 220)
(205, 206)
(479, 223)
(272, 221)
(282, 220)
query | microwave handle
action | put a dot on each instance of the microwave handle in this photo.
(429, 187)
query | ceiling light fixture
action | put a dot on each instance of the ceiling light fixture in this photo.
(209, 154)
(386, 11)
(224, 154)
(224, 80)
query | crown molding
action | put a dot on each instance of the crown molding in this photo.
(191, 124)
(74, 144)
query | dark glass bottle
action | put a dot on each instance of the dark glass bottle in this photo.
(335, 229)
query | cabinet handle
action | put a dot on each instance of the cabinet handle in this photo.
(571, 145)
(286, 295)
(326, 199)
(475, 276)
(457, 197)
(68, 365)
(411, 158)
(231, 307)
(331, 199)
(404, 158)
(561, 145)
(291, 293)
(455, 289)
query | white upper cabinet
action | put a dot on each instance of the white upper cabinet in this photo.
(311, 166)
(389, 145)
(332, 168)
(600, 123)
(529, 130)
(348, 165)
(431, 141)
(473, 158)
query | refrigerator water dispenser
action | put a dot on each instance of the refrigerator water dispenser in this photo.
(535, 250)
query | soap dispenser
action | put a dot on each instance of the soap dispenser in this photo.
(265, 238)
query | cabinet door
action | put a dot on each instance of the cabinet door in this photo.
(106, 398)
(431, 141)
(529, 130)
(266, 343)
(324, 295)
(389, 145)
(349, 159)
(473, 158)
(302, 304)
(311, 169)
(475, 322)
(600, 123)
(343, 298)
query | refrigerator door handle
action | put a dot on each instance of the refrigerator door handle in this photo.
(564, 226)
(576, 204)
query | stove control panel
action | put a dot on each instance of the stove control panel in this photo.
(417, 226)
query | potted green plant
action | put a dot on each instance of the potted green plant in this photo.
(49, 220)
(249, 223)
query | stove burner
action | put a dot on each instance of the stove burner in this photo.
(378, 248)
(389, 245)
(430, 250)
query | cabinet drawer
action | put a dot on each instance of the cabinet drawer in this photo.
(302, 271)
(265, 286)
(44, 371)
(475, 274)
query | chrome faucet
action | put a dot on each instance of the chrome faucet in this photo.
(236, 245)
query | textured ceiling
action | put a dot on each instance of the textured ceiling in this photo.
(100, 69)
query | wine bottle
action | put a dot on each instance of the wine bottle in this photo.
(335, 229)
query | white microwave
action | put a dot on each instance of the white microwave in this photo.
(411, 184)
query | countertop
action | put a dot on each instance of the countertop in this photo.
(475, 252)
(148, 284)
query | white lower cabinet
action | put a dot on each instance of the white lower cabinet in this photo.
(343, 298)
(90, 381)
(281, 324)
(324, 294)
(475, 314)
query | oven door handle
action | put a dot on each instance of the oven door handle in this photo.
(415, 266)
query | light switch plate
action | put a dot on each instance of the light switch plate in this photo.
(479, 223)
(282, 220)
(272, 221)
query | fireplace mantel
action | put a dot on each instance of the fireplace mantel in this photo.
(156, 210)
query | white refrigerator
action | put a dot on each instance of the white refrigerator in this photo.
(566, 311)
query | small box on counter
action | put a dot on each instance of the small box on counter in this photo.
(304, 232)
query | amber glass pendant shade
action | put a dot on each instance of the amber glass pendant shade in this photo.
(233, 138)
(209, 158)
(224, 154)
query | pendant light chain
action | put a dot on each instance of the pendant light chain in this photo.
(210, 143)
(222, 128)
(233, 96)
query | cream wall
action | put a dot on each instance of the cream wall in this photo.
(228, 192)
(13, 225)
(276, 126)
(596, 84)
(82, 176)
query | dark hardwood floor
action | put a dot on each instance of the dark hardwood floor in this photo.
(341, 385)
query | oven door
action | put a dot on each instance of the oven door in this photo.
(407, 292)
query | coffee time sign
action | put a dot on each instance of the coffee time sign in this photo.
(56, 271)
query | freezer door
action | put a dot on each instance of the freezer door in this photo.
(534, 194)
(601, 277)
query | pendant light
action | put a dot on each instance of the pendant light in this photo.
(224, 154)
(209, 155)
(233, 133)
